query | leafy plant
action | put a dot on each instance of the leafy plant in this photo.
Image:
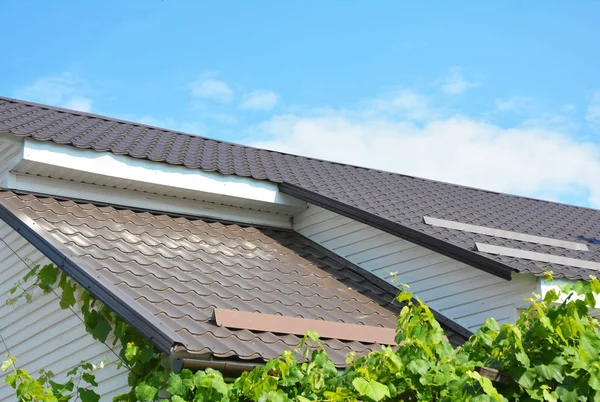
(550, 354)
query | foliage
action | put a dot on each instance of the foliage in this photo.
(550, 354)
(138, 354)
(45, 389)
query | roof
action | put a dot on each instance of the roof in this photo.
(392, 202)
(166, 275)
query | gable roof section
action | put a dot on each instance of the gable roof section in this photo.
(392, 202)
(167, 275)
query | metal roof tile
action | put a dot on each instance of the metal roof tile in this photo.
(400, 200)
(180, 269)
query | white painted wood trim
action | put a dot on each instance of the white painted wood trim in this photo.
(141, 200)
(535, 256)
(505, 234)
(160, 174)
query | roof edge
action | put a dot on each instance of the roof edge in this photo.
(150, 330)
(458, 253)
(385, 286)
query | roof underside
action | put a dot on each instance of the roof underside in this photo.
(399, 201)
(177, 271)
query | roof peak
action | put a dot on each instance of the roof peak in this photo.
(342, 164)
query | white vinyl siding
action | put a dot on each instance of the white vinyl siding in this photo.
(42, 335)
(462, 293)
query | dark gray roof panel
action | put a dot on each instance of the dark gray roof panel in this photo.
(398, 199)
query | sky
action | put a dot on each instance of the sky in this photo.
(500, 95)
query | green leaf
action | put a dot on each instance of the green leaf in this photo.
(372, 389)
(147, 354)
(550, 372)
(99, 325)
(145, 392)
(131, 351)
(523, 358)
(68, 295)
(566, 395)
(527, 379)
(48, 274)
(418, 366)
(88, 395)
(175, 385)
(89, 378)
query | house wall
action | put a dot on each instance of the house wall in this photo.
(42, 335)
(459, 291)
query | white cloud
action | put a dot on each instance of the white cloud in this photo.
(79, 103)
(63, 90)
(405, 103)
(259, 100)
(455, 83)
(593, 112)
(208, 87)
(514, 103)
(531, 161)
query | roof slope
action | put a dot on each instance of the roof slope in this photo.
(392, 202)
(176, 271)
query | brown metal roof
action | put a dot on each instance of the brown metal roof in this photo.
(173, 272)
(392, 202)
(299, 326)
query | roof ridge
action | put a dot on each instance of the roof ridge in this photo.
(190, 135)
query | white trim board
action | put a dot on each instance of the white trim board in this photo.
(505, 234)
(106, 164)
(535, 256)
(141, 200)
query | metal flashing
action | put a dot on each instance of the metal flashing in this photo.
(422, 239)
(505, 234)
(535, 256)
(253, 321)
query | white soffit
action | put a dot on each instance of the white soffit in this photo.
(120, 167)
(140, 200)
(535, 256)
(505, 234)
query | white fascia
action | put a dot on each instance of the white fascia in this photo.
(161, 174)
(145, 201)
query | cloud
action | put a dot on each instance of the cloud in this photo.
(515, 103)
(79, 103)
(592, 115)
(404, 103)
(259, 100)
(63, 90)
(455, 83)
(208, 87)
(530, 161)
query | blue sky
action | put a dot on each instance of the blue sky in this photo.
(501, 95)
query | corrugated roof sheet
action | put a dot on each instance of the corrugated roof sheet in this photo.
(398, 199)
(180, 269)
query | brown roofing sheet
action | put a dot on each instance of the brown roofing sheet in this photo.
(398, 199)
(179, 270)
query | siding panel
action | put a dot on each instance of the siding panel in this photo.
(42, 335)
(459, 291)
